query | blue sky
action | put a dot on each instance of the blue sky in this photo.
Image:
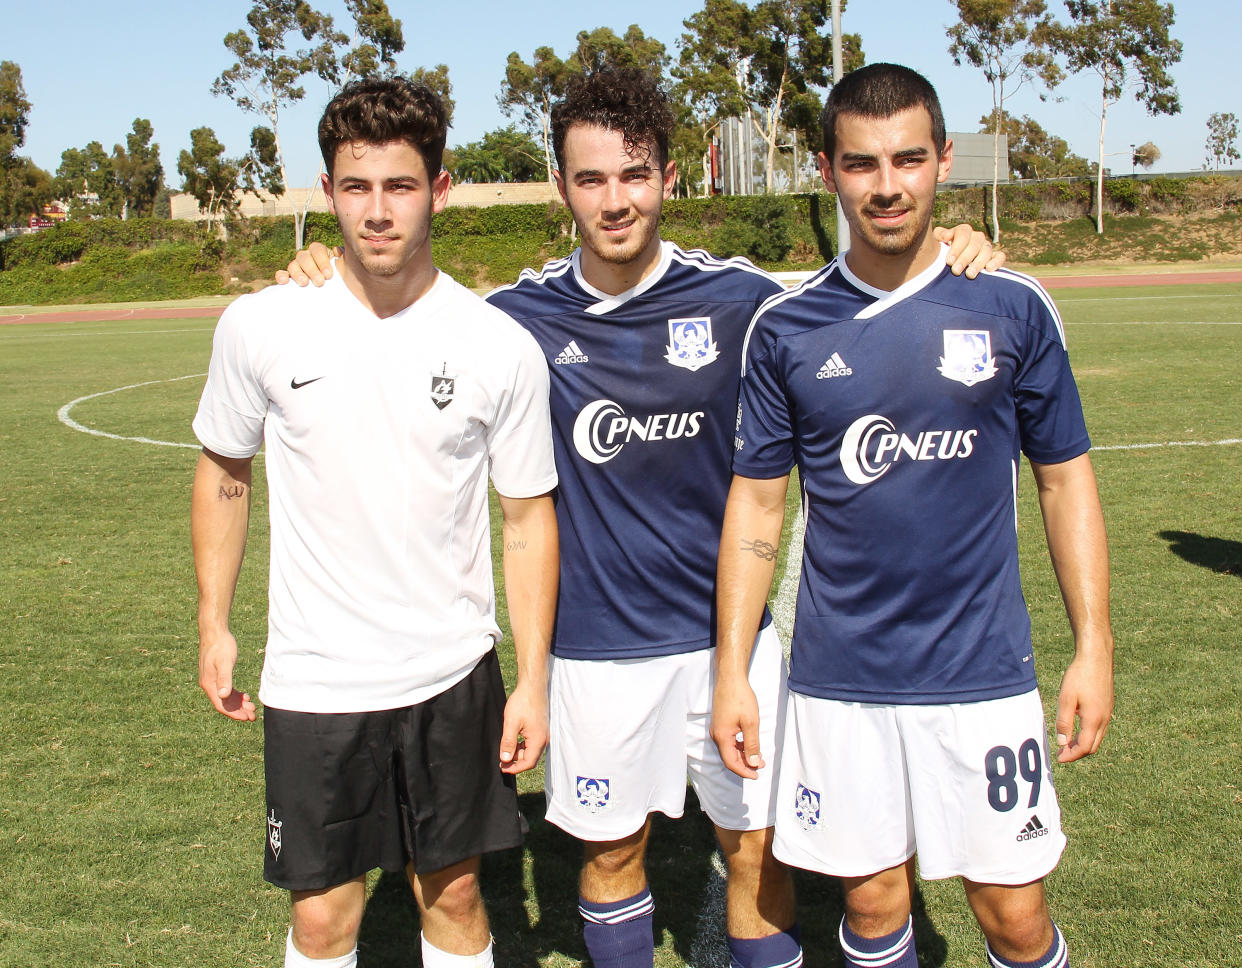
(90, 68)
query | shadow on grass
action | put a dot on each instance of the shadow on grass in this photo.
(1221, 555)
(532, 901)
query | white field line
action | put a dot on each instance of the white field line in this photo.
(1156, 322)
(63, 414)
(1096, 299)
(133, 332)
(1229, 441)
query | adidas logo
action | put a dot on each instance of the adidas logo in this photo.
(572, 353)
(1032, 830)
(834, 366)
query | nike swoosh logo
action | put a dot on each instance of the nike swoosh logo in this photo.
(294, 385)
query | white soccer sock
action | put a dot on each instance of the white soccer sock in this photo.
(433, 957)
(295, 958)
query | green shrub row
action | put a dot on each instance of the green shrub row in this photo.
(176, 270)
(157, 258)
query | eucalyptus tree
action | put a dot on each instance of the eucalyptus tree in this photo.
(530, 89)
(24, 187)
(267, 74)
(762, 63)
(1128, 45)
(1222, 140)
(1008, 40)
(138, 169)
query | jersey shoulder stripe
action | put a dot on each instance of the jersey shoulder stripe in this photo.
(551, 270)
(777, 299)
(1035, 287)
(702, 259)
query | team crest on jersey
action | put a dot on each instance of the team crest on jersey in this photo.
(806, 807)
(690, 343)
(593, 793)
(273, 833)
(967, 356)
(442, 387)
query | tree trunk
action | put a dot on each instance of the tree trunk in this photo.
(547, 144)
(996, 126)
(774, 123)
(1099, 175)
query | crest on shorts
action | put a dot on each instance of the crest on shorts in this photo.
(806, 807)
(967, 356)
(690, 343)
(273, 833)
(442, 387)
(593, 793)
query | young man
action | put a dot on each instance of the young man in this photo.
(643, 340)
(384, 400)
(905, 396)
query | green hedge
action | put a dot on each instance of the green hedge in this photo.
(109, 259)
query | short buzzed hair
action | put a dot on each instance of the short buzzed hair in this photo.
(377, 111)
(880, 91)
(628, 100)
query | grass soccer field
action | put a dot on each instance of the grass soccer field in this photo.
(132, 816)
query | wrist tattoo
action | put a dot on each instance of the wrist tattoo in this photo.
(760, 549)
(231, 492)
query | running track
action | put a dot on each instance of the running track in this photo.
(1052, 282)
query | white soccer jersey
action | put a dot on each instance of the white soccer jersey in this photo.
(380, 436)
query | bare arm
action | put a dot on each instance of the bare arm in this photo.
(749, 539)
(969, 251)
(1074, 524)
(312, 264)
(531, 563)
(219, 517)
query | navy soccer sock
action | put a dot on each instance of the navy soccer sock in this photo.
(780, 950)
(1057, 955)
(894, 950)
(618, 933)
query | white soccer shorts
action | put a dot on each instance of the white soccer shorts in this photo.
(624, 734)
(967, 785)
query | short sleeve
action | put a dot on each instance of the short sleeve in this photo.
(234, 403)
(1050, 419)
(520, 437)
(763, 446)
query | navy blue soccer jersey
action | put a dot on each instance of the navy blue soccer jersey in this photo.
(906, 414)
(644, 407)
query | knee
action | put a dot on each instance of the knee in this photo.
(878, 905)
(456, 898)
(1015, 921)
(617, 860)
(323, 930)
(1020, 936)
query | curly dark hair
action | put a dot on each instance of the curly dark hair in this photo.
(628, 100)
(375, 111)
(880, 91)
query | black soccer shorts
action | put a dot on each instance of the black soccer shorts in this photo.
(349, 792)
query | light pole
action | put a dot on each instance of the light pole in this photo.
(838, 69)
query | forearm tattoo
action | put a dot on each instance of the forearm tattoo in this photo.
(515, 546)
(760, 549)
(231, 492)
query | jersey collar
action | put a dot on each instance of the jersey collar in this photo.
(606, 302)
(883, 297)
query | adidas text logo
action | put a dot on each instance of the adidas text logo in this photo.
(1032, 830)
(834, 366)
(572, 353)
